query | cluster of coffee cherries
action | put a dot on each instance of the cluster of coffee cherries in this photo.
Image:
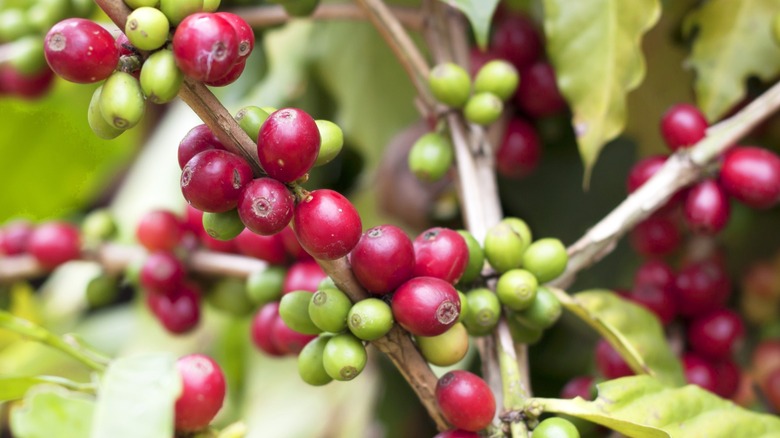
(50, 243)
(146, 63)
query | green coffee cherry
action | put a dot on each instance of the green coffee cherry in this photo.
(178, 10)
(344, 357)
(521, 228)
(14, 25)
(135, 4)
(328, 309)
(294, 310)
(230, 296)
(543, 312)
(484, 312)
(464, 306)
(431, 157)
(97, 123)
(161, 79)
(446, 349)
(122, 101)
(265, 286)
(133, 272)
(82, 8)
(370, 319)
(546, 259)
(504, 248)
(102, 290)
(555, 427)
(498, 77)
(327, 283)
(331, 141)
(310, 366)
(522, 333)
(250, 119)
(483, 108)
(450, 84)
(300, 8)
(516, 289)
(98, 225)
(27, 55)
(211, 5)
(147, 28)
(223, 226)
(476, 258)
(43, 14)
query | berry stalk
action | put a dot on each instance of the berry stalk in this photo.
(264, 16)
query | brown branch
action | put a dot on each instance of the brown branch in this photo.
(264, 16)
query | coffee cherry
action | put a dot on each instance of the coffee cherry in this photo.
(331, 142)
(344, 357)
(268, 248)
(14, 237)
(24, 86)
(655, 236)
(231, 76)
(159, 230)
(287, 144)
(498, 77)
(556, 427)
(752, 176)
(292, 246)
(464, 306)
(304, 275)
(655, 272)
(446, 349)
(286, 340)
(226, 225)
(715, 334)
(426, 306)
(147, 28)
(699, 371)
(177, 310)
(457, 433)
(729, 376)
(214, 179)
(546, 259)
(707, 208)
(80, 51)
(250, 119)
(197, 140)
(660, 300)
(483, 108)
(516, 289)
(261, 327)
(484, 311)
(102, 290)
(516, 39)
(27, 55)
(476, 258)
(135, 4)
(14, 24)
(431, 157)
(538, 94)
(97, 123)
(229, 295)
(160, 78)
(300, 8)
(609, 362)
(205, 46)
(294, 311)
(465, 400)
(543, 312)
(202, 393)
(582, 386)
(327, 225)
(383, 259)
(440, 253)
(310, 365)
(522, 333)
(520, 150)
(162, 272)
(683, 125)
(328, 309)
(450, 84)
(54, 243)
(265, 286)
(504, 248)
(266, 206)
(701, 288)
(370, 319)
(122, 101)
(244, 33)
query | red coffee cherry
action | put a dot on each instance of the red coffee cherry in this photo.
(643, 170)
(520, 150)
(715, 334)
(162, 272)
(197, 140)
(205, 46)
(658, 299)
(701, 288)
(655, 272)
(202, 393)
(177, 310)
(683, 125)
(14, 237)
(582, 386)
(288, 144)
(656, 236)
(609, 362)
(699, 371)
(440, 253)
(33, 86)
(244, 34)
(231, 76)
(465, 400)
(80, 51)
(729, 376)
(426, 306)
(54, 243)
(303, 275)
(268, 248)
(214, 179)
(266, 206)
(517, 40)
(752, 176)
(159, 230)
(457, 433)
(383, 259)
(262, 324)
(327, 225)
(292, 246)
(538, 94)
(707, 208)
(287, 340)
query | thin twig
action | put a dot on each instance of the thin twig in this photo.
(264, 16)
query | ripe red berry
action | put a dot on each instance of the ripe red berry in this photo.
(383, 259)
(465, 400)
(656, 236)
(538, 94)
(268, 248)
(426, 306)
(162, 272)
(440, 253)
(14, 82)
(683, 125)
(478, 58)
(517, 40)
(159, 230)
(609, 362)
(699, 371)
(292, 246)
(303, 275)
(197, 140)
(202, 393)
(54, 243)
(457, 433)
(288, 144)
(643, 170)
(752, 176)
(244, 34)
(266, 206)
(582, 386)
(327, 225)
(177, 310)
(658, 299)
(287, 340)
(701, 288)
(729, 376)
(262, 323)
(520, 150)
(655, 272)
(205, 46)
(231, 76)
(213, 180)
(715, 334)
(80, 51)
(707, 207)
(14, 237)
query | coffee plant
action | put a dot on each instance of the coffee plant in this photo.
(525, 218)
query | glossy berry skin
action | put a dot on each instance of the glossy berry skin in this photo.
(383, 259)
(609, 362)
(268, 248)
(213, 180)
(205, 46)
(517, 40)
(231, 76)
(702, 287)
(14, 237)
(714, 336)
(288, 144)
(440, 253)
(80, 51)
(197, 140)
(305, 275)
(162, 272)
(658, 299)
(266, 206)
(54, 243)
(538, 94)
(707, 208)
(261, 329)
(656, 236)
(465, 400)
(327, 225)
(520, 150)
(683, 125)
(202, 394)
(244, 34)
(159, 230)
(426, 306)
(699, 371)
(556, 427)
(752, 176)
(178, 310)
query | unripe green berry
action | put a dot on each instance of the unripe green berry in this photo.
(82, 8)
(161, 78)
(447, 348)
(546, 259)
(328, 309)
(294, 311)
(98, 225)
(555, 427)
(14, 25)
(521, 228)
(344, 357)
(250, 119)
(543, 312)
(122, 101)
(300, 8)
(230, 296)
(135, 4)
(147, 28)
(431, 157)
(178, 10)
(327, 283)
(504, 248)
(483, 108)
(498, 77)
(211, 5)
(43, 14)
(450, 84)
(97, 123)
(516, 289)
(370, 319)
(102, 290)
(331, 141)
(27, 55)
(226, 225)
(464, 306)
(522, 333)
(476, 258)
(310, 366)
(266, 285)
(484, 312)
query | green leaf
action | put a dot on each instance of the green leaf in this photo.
(641, 406)
(632, 330)
(734, 42)
(50, 411)
(14, 388)
(595, 48)
(480, 14)
(136, 398)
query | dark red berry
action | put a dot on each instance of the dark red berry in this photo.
(517, 40)
(707, 207)
(655, 272)
(643, 170)
(729, 375)
(197, 140)
(205, 46)
(213, 180)
(699, 371)
(287, 340)
(304, 275)
(123, 45)
(609, 362)
(14, 237)
(177, 310)
(230, 77)
(292, 246)
(538, 94)
(583, 387)
(162, 272)
(159, 230)
(268, 248)
(327, 225)
(426, 306)
(701, 288)
(457, 433)
(656, 236)
(33, 86)
(288, 144)
(465, 400)
(683, 125)
(752, 176)
(54, 243)
(383, 259)
(520, 150)
(80, 51)
(266, 206)
(244, 33)
(440, 253)
(261, 329)
(658, 299)
(479, 58)
(715, 334)
(202, 392)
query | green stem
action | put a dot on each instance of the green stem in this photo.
(514, 390)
